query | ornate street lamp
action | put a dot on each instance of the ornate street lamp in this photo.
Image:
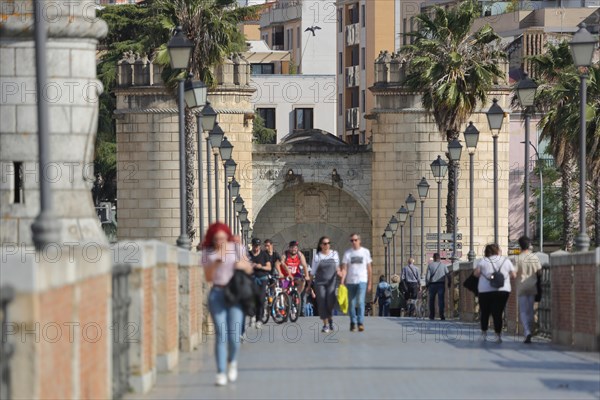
(243, 214)
(423, 189)
(411, 205)
(402, 215)
(195, 93)
(526, 93)
(234, 191)
(209, 117)
(180, 49)
(386, 242)
(495, 117)
(471, 140)
(582, 50)
(229, 166)
(393, 224)
(439, 168)
(455, 151)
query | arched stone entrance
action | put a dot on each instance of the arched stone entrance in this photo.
(307, 211)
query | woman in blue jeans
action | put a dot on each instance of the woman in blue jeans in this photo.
(221, 256)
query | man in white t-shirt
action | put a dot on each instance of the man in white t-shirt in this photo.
(356, 275)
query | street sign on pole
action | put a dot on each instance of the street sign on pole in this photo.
(443, 236)
(443, 246)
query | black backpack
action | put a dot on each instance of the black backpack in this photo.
(496, 278)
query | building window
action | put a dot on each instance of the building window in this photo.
(341, 62)
(291, 42)
(404, 31)
(268, 116)
(298, 38)
(363, 57)
(363, 101)
(362, 15)
(262, 69)
(340, 18)
(303, 118)
(340, 105)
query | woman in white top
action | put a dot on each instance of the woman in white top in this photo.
(221, 256)
(492, 299)
(326, 268)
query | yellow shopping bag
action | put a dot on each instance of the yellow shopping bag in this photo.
(342, 298)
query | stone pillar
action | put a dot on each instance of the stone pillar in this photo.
(72, 93)
(148, 152)
(405, 141)
(61, 316)
(190, 306)
(575, 285)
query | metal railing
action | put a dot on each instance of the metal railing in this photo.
(544, 315)
(120, 315)
(7, 294)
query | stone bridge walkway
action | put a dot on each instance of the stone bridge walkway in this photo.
(393, 358)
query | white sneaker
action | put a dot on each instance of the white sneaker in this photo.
(253, 322)
(484, 336)
(497, 339)
(221, 380)
(258, 325)
(232, 372)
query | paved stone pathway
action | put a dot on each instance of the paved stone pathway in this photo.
(393, 358)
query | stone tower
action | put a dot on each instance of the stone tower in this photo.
(147, 146)
(72, 93)
(406, 141)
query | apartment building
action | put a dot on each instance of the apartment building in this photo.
(289, 102)
(364, 27)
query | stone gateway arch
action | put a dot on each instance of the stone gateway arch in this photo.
(310, 185)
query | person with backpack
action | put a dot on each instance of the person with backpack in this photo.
(411, 280)
(397, 301)
(224, 260)
(437, 274)
(383, 295)
(494, 273)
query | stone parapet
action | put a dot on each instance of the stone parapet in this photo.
(60, 320)
(575, 302)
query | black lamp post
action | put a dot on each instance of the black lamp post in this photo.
(423, 189)
(411, 205)
(526, 93)
(402, 215)
(471, 140)
(180, 50)
(439, 168)
(229, 166)
(582, 50)
(215, 138)
(393, 224)
(225, 150)
(386, 243)
(238, 204)
(495, 117)
(455, 150)
(206, 122)
(234, 192)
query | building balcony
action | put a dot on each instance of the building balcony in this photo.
(279, 14)
(352, 118)
(352, 34)
(352, 76)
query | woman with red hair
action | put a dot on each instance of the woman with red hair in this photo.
(221, 256)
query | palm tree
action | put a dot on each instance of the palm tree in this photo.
(212, 26)
(558, 98)
(454, 69)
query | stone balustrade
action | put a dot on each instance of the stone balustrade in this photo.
(167, 310)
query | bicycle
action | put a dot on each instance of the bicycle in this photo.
(275, 303)
(295, 300)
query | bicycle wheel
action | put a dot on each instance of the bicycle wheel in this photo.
(280, 308)
(266, 311)
(294, 306)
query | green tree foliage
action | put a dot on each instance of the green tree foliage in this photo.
(262, 134)
(454, 69)
(137, 28)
